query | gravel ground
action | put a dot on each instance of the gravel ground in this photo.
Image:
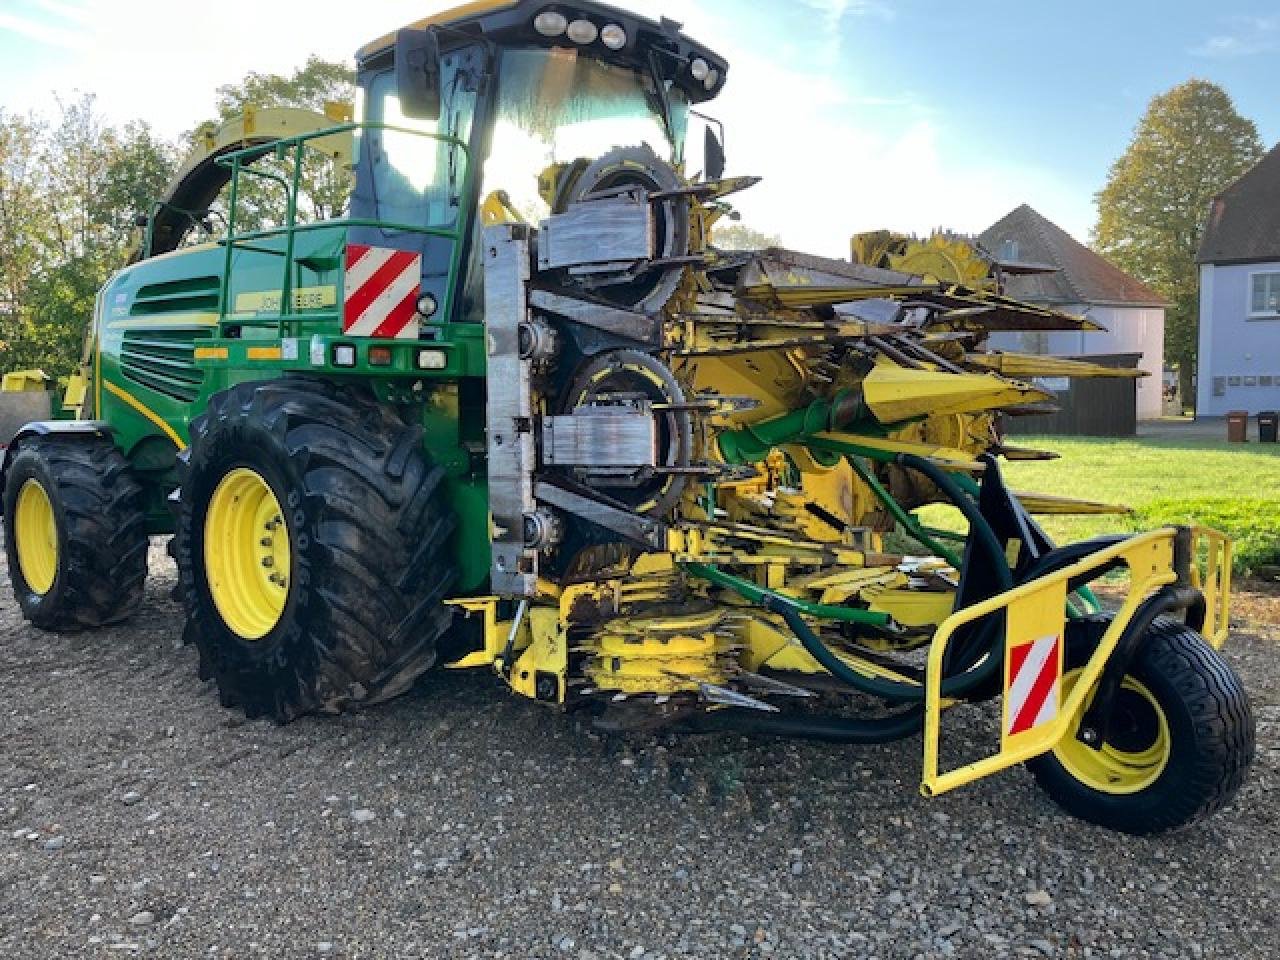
(140, 818)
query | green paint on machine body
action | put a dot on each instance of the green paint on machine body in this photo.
(155, 315)
(185, 323)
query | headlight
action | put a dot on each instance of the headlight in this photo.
(427, 306)
(613, 37)
(432, 360)
(699, 68)
(549, 23)
(583, 32)
(344, 355)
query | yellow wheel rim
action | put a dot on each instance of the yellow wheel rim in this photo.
(1137, 748)
(36, 533)
(246, 554)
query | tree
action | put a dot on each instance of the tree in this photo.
(738, 236)
(1189, 145)
(69, 195)
(311, 86)
(325, 186)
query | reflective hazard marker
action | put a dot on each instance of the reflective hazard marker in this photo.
(1033, 682)
(380, 292)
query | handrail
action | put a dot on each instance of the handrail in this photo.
(261, 149)
(237, 161)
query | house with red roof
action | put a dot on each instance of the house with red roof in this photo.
(1081, 282)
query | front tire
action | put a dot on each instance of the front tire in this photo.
(75, 532)
(1181, 737)
(312, 548)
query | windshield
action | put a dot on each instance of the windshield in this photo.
(555, 107)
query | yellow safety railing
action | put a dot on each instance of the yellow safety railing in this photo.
(1213, 549)
(1035, 611)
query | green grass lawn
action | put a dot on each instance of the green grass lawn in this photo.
(1233, 487)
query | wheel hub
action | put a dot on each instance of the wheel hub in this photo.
(1137, 748)
(36, 533)
(247, 554)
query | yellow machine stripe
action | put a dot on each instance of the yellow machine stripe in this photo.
(263, 353)
(147, 412)
(211, 353)
(177, 320)
(97, 375)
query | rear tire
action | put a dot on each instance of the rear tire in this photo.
(1181, 739)
(75, 532)
(365, 567)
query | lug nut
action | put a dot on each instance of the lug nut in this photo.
(266, 541)
(268, 562)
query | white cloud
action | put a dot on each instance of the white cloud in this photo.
(835, 158)
(836, 162)
(163, 60)
(1248, 36)
(836, 10)
(43, 33)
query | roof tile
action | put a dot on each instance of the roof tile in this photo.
(1083, 276)
(1244, 219)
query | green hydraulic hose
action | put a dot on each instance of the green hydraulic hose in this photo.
(789, 608)
(909, 522)
(751, 444)
(757, 594)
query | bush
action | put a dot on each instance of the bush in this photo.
(1253, 525)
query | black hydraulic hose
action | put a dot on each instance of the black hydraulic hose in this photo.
(854, 730)
(970, 677)
(889, 689)
(1061, 557)
(978, 526)
(971, 653)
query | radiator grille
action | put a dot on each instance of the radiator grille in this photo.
(163, 361)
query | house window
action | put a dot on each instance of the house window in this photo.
(1264, 300)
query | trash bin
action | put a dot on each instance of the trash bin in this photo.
(1238, 426)
(1267, 420)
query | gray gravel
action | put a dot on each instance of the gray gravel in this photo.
(138, 817)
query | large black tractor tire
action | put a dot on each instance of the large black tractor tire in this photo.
(360, 580)
(75, 532)
(1181, 738)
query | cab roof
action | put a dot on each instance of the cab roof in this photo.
(510, 23)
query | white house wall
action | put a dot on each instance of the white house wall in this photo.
(1129, 330)
(1240, 353)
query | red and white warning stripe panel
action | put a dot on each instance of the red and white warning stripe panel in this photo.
(1033, 684)
(381, 292)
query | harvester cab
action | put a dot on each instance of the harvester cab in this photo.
(508, 406)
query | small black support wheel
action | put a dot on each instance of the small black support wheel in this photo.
(312, 548)
(75, 532)
(1180, 742)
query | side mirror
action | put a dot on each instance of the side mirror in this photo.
(418, 74)
(713, 156)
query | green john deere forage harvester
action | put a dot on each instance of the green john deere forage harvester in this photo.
(515, 410)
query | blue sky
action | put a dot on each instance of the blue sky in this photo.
(860, 114)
